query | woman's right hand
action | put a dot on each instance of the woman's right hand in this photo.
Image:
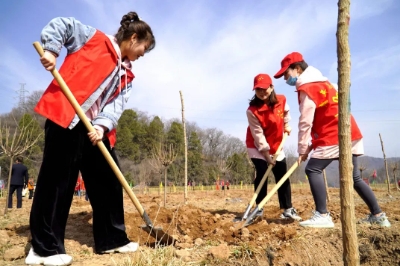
(268, 158)
(48, 60)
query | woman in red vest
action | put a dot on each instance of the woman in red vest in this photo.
(318, 101)
(268, 116)
(97, 70)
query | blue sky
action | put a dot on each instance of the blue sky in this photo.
(211, 50)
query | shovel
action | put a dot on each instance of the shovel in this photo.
(253, 199)
(251, 218)
(157, 233)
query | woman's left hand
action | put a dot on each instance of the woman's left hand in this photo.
(95, 136)
(302, 158)
(287, 129)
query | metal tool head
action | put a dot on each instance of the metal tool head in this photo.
(253, 217)
(237, 219)
(160, 236)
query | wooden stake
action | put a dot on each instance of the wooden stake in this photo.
(350, 244)
(185, 142)
(386, 167)
(395, 166)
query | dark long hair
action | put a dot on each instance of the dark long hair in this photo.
(303, 65)
(271, 100)
(130, 24)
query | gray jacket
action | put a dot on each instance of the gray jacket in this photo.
(73, 35)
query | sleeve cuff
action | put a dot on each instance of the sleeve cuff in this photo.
(52, 47)
(99, 128)
(104, 123)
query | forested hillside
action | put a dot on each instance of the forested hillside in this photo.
(212, 154)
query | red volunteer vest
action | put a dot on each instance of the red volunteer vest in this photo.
(271, 121)
(112, 137)
(83, 72)
(324, 130)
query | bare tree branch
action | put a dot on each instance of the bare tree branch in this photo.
(16, 145)
(165, 156)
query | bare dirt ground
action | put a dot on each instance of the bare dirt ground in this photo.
(207, 235)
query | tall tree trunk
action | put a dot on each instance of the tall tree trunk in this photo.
(8, 185)
(350, 244)
(386, 167)
(185, 142)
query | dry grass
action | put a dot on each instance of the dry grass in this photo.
(146, 257)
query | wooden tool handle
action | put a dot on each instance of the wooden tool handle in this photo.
(278, 185)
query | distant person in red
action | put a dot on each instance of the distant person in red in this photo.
(227, 184)
(78, 186)
(222, 184)
(318, 122)
(374, 174)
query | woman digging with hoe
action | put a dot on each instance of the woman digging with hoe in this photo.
(318, 105)
(97, 70)
(268, 116)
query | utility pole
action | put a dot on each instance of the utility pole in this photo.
(21, 93)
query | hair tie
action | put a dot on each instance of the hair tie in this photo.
(132, 20)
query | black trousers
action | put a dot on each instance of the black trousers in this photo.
(18, 188)
(314, 170)
(30, 193)
(65, 153)
(279, 170)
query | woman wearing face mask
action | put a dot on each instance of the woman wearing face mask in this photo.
(318, 101)
(97, 70)
(268, 116)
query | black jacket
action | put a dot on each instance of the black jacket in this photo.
(19, 174)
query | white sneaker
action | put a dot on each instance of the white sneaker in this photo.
(55, 260)
(318, 221)
(380, 220)
(130, 247)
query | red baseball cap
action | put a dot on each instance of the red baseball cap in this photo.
(262, 81)
(287, 61)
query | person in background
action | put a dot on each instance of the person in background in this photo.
(318, 104)
(31, 187)
(98, 71)
(78, 186)
(19, 179)
(268, 116)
